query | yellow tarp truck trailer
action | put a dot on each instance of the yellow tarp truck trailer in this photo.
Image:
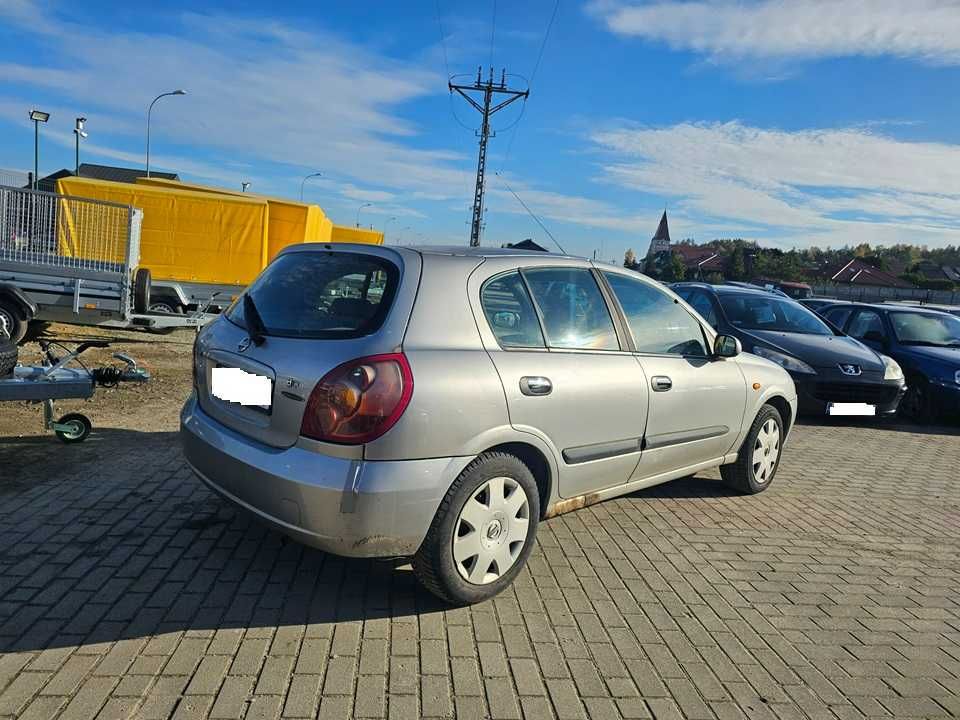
(291, 222)
(203, 244)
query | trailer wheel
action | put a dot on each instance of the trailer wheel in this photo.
(77, 428)
(8, 356)
(12, 322)
(141, 290)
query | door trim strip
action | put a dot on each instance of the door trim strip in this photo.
(652, 442)
(600, 451)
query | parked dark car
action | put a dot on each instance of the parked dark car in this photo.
(924, 342)
(817, 304)
(827, 366)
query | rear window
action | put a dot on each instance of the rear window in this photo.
(326, 295)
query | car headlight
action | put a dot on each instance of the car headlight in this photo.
(891, 370)
(787, 362)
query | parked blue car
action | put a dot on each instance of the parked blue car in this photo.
(924, 342)
(830, 369)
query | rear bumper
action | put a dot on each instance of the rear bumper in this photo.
(354, 508)
(817, 392)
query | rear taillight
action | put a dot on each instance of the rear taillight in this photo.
(359, 401)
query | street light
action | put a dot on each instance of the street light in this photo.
(150, 110)
(303, 182)
(361, 208)
(78, 131)
(244, 185)
(38, 116)
(386, 225)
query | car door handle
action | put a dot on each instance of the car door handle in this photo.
(535, 385)
(661, 383)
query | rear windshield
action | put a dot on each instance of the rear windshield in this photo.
(327, 295)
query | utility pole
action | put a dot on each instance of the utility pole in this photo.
(490, 89)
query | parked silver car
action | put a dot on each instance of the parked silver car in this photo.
(438, 402)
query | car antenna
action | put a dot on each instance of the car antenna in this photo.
(519, 200)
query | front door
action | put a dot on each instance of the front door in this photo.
(696, 401)
(565, 375)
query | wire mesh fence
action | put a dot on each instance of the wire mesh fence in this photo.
(40, 228)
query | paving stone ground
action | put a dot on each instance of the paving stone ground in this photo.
(128, 590)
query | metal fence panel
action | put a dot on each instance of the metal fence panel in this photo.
(874, 294)
(40, 228)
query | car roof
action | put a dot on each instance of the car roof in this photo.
(890, 307)
(729, 289)
(466, 251)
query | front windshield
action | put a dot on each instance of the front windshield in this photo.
(913, 328)
(761, 312)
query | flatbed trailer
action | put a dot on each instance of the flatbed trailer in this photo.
(74, 260)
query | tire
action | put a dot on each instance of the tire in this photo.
(742, 475)
(141, 290)
(80, 428)
(12, 321)
(166, 307)
(917, 403)
(8, 356)
(488, 485)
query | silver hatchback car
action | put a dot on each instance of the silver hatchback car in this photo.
(438, 402)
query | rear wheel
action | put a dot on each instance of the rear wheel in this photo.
(141, 290)
(12, 323)
(759, 456)
(8, 356)
(483, 531)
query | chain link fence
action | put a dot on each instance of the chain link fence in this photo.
(873, 294)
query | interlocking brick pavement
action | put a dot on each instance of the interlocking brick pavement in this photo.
(128, 590)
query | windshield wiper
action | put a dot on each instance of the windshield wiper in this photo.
(253, 321)
(930, 343)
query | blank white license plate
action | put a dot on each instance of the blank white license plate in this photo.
(238, 386)
(851, 409)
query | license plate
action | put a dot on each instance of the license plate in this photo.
(238, 386)
(851, 409)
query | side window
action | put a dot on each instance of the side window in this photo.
(510, 312)
(658, 324)
(575, 315)
(700, 302)
(867, 325)
(839, 316)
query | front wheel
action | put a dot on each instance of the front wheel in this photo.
(483, 531)
(759, 456)
(74, 428)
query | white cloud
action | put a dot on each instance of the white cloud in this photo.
(837, 184)
(727, 29)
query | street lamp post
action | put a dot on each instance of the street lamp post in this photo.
(150, 110)
(78, 131)
(244, 185)
(361, 208)
(38, 116)
(304, 181)
(386, 225)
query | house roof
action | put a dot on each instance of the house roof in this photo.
(663, 230)
(527, 244)
(120, 174)
(708, 259)
(858, 272)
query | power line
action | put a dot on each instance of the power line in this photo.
(533, 75)
(443, 41)
(530, 212)
(493, 29)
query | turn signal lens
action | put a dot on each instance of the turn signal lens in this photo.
(359, 401)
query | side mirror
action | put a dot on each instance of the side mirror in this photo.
(726, 346)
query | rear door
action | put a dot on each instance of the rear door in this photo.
(566, 376)
(696, 401)
(319, 306)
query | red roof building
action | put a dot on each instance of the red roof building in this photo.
(859, 272)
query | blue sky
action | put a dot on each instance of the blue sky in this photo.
(791, 122)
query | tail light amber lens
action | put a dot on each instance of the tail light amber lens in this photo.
(359, 401)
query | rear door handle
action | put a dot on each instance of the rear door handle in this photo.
(661, 383)
(535, 385)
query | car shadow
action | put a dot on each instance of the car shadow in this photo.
(115, 539)
(692, 487)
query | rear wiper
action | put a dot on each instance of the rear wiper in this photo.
(253, 321)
